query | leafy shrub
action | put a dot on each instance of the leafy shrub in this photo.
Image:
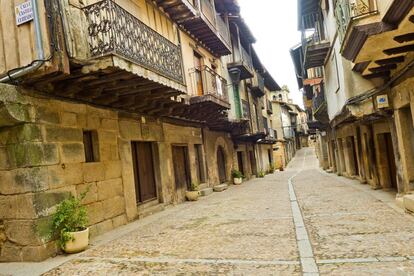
(194, 186)
(236, 174)
(70, 216)
(261, 174)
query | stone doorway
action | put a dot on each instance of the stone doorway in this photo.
(221, 164)
(387, 161)
(143, 163)
(181, 171)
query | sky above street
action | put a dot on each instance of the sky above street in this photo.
(274, 24)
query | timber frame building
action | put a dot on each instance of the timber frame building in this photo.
(132, 100)
(356, 72)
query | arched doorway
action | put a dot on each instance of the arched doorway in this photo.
(221, 164)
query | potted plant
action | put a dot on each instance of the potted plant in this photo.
(193, 193)
(69, 225)
(237, 177)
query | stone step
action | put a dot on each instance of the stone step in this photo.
(220, 188)
(206, 191)
(409, 202)
(151, 208)
(202, 186)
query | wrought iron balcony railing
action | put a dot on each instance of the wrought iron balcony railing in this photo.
(348, 10)
(207, 82)
(114, 31)
(258, 85)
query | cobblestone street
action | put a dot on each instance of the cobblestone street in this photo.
(257, 229)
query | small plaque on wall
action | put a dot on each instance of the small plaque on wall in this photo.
(382, 101)
(24, 12)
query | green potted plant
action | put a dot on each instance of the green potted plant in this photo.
(69, 225)
(237, 177)
(193, 193)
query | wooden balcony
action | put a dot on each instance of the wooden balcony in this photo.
(210, 101)
(130, 66)
(378, 39)
(200, 19)
(257, 85)
(320, 107)
(316, 47)
(244, 62)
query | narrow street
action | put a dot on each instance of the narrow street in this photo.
(257, 229)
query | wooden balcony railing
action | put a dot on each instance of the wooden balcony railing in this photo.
(318, 101)
(246, 59)
(208, 83)
(207, 9)
(348, 10)
(114, 31)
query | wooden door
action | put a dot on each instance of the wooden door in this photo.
(143, 162)
(240, 162)
(198, 64)
(181, 170)
(253, 162)
(391, 160)
(221, 165)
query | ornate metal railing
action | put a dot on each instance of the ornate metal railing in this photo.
(348, 10)
(113, 30)
(207, 82)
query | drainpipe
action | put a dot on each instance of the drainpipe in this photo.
(19, 72)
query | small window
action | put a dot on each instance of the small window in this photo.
(90, 144)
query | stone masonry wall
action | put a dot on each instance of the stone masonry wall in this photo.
(42, 161)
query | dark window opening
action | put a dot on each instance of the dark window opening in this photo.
(90, 144)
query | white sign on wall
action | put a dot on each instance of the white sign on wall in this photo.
(382, 101)
(24, 12)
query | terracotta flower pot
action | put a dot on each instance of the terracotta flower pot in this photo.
(192, 195)
(79, 243)
(237, 181)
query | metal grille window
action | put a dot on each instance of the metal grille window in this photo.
(90, 144)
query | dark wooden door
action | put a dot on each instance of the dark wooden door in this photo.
(253, 162)
(221, 165)
(391, 160)
(240, 162)
(143, 162)
(181, 170)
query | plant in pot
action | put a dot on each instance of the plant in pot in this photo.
(237, 177)
(193, 193)
(69, 225)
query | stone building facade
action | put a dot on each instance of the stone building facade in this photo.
(357, 72)
(133, 113)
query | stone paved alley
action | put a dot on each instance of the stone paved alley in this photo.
(257, 229)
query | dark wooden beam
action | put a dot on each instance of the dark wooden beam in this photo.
(399, 50)
(404, 38)
(392, 60)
